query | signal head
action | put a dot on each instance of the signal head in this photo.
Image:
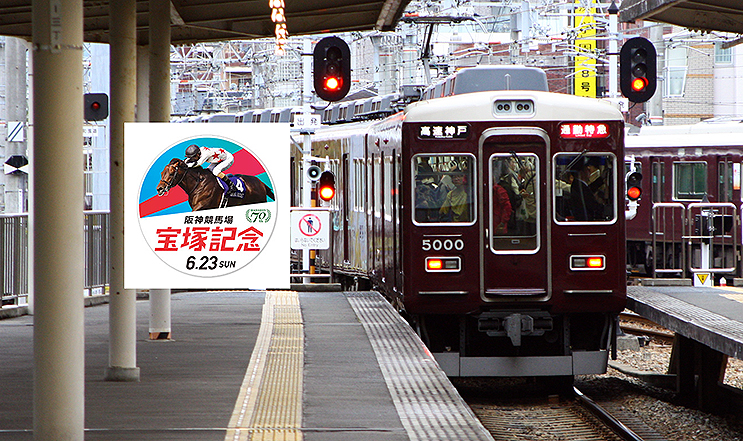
(634, 185)
(326, 186)
(95, 106)
(637, 69)
(332, 69)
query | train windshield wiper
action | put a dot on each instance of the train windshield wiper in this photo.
(573, 162)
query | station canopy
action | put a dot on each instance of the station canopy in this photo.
(705, 15)
(212, 20)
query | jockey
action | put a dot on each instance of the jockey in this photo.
(219, 160)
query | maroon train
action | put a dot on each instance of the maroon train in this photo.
(691, 199)
(493, 219)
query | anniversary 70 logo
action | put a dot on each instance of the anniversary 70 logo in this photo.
(207, 206)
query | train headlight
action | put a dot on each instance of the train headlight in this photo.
(587, 263)
(443, 264)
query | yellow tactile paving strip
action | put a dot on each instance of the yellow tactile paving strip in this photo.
(733, 293)
(269, 405)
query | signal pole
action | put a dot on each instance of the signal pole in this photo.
(613, 44)
(307, 57)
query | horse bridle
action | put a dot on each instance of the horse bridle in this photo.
(169, 185)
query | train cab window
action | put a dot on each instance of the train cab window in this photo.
(584, 187)
(443, 189)
(689, 180)
(514, 201)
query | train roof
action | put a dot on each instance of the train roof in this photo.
(703, 134)
(482, 106)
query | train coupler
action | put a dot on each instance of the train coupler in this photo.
(515, 325)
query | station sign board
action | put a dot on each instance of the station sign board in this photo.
(182, 230)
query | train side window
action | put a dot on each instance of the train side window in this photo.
(585, 187)
(514, 201)
(658, 181)
(725, 180)
(689, 180)
(443, 189)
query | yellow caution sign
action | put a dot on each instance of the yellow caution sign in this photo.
(703, 279)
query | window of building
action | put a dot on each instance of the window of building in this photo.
(676, 68)
(723, 55)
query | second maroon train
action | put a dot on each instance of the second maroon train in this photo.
(688, 219)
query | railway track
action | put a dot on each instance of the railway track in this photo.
(638, 325)
(515, 417)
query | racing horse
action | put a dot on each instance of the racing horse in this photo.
(204, 190)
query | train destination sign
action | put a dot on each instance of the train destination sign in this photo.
(206, 206)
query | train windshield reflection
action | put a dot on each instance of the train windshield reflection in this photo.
(583, 187)
(514, 196)
(444, 188)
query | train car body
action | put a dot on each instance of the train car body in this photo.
(493, 221)
(691, 196)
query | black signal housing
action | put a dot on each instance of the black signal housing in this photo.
(326, 186)
(332, 69)
(95, 106)
(638, 72)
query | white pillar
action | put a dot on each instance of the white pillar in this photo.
(122, 355)
(159, 46)
(59, 333)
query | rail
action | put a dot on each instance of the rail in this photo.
(716, 225)
(698, 237)
(14, 257)
(669, 256)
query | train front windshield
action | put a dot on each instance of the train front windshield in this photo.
(444, 189)
(584, 187)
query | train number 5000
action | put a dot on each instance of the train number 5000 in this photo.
(443, 244)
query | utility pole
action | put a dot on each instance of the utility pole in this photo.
(16, 183)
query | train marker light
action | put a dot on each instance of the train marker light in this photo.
(332, 68)
(326, 186)
(637, 69)
(443, 264)
(434, 264)
(95, 106)
(634, 185)
(587, 263)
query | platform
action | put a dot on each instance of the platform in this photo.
(712, 316)
(708, 324)
(255, 365)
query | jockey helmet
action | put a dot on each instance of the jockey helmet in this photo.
(193, 151)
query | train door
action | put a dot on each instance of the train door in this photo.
(345, 210)
(514, 204)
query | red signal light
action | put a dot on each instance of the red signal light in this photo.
(639, 84)
(332, 83)
(634, 193)
(327, 193)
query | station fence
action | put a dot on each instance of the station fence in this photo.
(14, 259)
